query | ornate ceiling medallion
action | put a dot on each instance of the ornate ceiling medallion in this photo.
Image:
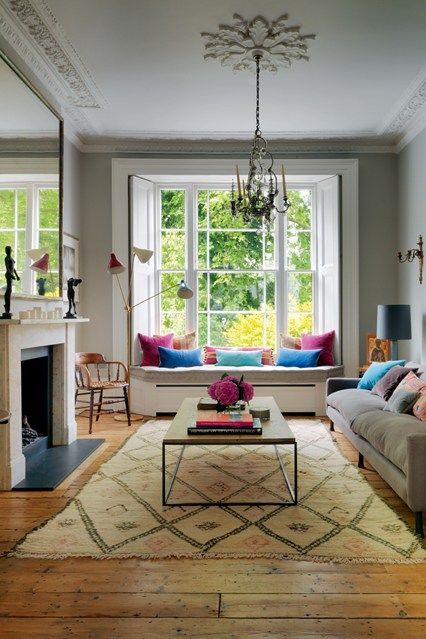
(236, 45)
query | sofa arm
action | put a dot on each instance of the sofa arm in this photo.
(340, 383)
(416, 472)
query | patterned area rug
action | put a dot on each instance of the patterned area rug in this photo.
(118, 513)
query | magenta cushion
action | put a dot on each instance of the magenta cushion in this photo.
(325, 342)
(149, 346)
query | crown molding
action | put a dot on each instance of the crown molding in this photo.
(231, 146)
(24, 30)
(408, 108)
(416, 126)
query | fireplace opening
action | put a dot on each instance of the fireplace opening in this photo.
(36, 394)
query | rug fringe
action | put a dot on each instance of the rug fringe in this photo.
(217, 555)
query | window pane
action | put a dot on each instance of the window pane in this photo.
(169, 299)
(7, 238)
(299, 213)
(172, 250)
(202, 249)
(202, 197)
(257, 329)
(202, 329)
(298, 323)
(52, 284)
(202, 291)
(230, 250)
(220, 215)
(270, 280)
(21, 255)
(50, 240)
(300, 293)
(232, 292)
(7, 208)
(173, 209)
(173, 323)
(269, 260)
(299, 250)
(22, 208)
(49, 208)
(218, 326)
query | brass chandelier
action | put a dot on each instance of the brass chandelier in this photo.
(243, 45)
(256, 200)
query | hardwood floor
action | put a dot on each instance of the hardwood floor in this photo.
(183, 598)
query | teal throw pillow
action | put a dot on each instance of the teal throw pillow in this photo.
(402, 401)
(303, 358)
(239, 358)
(376, 371)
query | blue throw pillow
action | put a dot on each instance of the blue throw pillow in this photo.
(376, 371)
(239, 358)
(298, 358)
(171, 358)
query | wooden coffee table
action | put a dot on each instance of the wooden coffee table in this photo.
(276, 432)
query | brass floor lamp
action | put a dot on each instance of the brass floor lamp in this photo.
(115, 267)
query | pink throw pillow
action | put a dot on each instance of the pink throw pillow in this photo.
(149, 346)
(412, 383)
(325, 342)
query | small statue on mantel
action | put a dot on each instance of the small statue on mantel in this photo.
(72, 282)
(10, 275)
(29, 435)
(41, 285)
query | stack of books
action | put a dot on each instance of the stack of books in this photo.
(210, 422)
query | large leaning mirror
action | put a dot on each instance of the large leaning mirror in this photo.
(31, 143)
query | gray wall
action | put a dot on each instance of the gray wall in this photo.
(377, 226)
(411, 224)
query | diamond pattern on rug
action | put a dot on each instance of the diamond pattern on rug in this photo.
(118, 513)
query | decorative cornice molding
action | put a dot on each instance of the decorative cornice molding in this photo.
(408, 108)
(45, 30)
(230, 146)
(278, 44)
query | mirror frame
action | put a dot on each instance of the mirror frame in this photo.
(60, 119)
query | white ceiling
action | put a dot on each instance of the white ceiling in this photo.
(141, 62)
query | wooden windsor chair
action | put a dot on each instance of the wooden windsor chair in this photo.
(94, 374)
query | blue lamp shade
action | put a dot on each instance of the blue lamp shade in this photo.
(393, 321)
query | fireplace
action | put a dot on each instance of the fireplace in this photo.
(37, 380)
(36, 396)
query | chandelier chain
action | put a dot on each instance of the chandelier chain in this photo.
(258, 94)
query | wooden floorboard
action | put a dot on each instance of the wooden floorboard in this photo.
(211, 598)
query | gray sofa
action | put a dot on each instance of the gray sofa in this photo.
(394, 444)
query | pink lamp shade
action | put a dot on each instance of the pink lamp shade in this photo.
(115, 266)
(41, 265)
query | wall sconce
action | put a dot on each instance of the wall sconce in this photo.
(412, 254)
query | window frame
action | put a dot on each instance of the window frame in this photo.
(32, 228)
(191, 270)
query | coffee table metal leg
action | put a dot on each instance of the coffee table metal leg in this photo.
(166, 496)
(293, 492)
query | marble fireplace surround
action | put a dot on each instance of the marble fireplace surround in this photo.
(16, 335)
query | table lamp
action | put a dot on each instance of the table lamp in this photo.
(393, 323)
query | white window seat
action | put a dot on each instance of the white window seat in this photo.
(296, 390)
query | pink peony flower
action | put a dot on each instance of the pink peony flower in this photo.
(248, 391)
(227, 392)
(212, 389)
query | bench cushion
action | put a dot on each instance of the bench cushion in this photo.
(262, 375)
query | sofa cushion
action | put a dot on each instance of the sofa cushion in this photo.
(149, 346)
(387, 433)
(412, 383)
(175, 358)
(353, 402)
(401, 402)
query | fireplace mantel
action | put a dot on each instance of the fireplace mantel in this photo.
(16, 335)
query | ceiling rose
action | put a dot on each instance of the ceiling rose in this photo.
(237, 45)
